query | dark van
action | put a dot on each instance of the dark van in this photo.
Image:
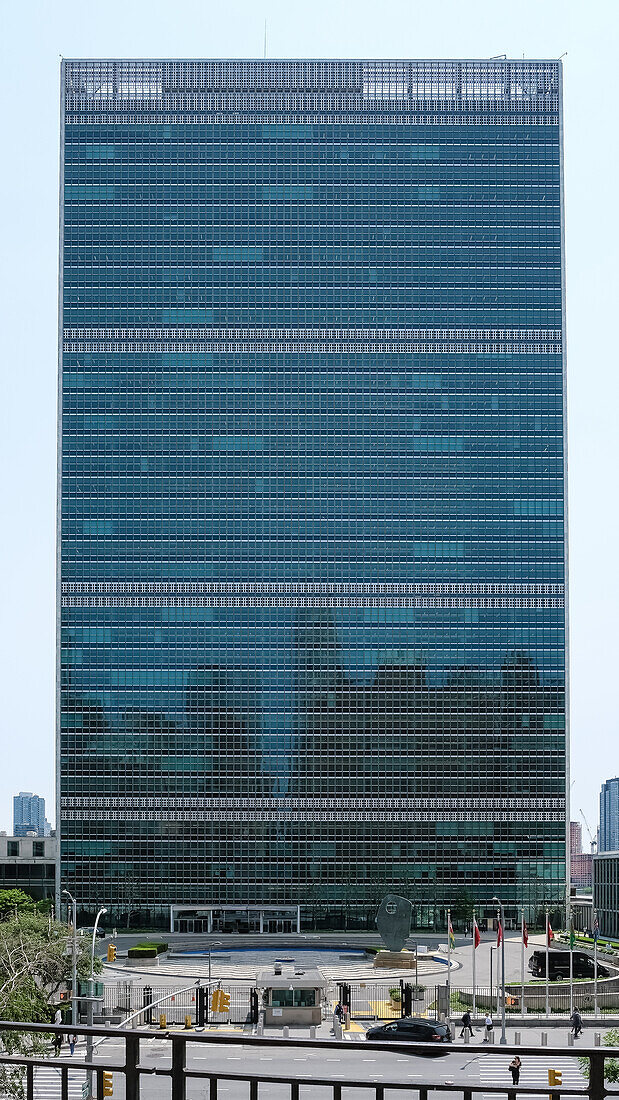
(559, 965)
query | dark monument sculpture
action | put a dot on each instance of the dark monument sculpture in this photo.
(393, 921)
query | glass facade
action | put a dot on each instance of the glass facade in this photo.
(311, 591)
(609, 816)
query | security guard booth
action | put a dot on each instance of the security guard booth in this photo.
(291, 997)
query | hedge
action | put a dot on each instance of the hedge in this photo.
(142, 953)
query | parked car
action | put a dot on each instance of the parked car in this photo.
(411, 1029)
(89, 931)
(559, 965)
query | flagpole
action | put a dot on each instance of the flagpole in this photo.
(596, 932)
(448, 963)
(522, 962)
(547, 967)
(474, 946)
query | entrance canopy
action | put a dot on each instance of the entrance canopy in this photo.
(235, 918)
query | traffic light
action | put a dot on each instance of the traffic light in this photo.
(111, 953)
(108, 1085)
(220, 1001)
(555, 1077)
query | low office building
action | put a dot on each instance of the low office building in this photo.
(581, 870)
(28, 863)
(606, 892)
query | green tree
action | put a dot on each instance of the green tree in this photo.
(611, 1065)
(35, 965)
(15, 901)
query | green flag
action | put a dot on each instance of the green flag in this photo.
(572, 939)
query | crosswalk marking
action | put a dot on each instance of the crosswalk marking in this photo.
(494, 1071)
(47, 1080)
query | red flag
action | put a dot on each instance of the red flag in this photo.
(476, 935)
(499, 935)
(525, 933)
(551, 934)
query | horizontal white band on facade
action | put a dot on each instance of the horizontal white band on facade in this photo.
(390, 334)
(266, 817)
(345, 805)
(312, 588)
(430, 115)
(421, 602)
(301, 348)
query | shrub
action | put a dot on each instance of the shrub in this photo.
(142, 953)
(611, 1065)
(154, 945)
(395, 993)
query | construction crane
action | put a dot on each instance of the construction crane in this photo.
(592, 841)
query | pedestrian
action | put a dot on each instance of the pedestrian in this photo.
(488, 1025)
(57, 1042)
(514, 1068)
(72, 1042)
(466, 1023)
(58, 1016)
(576, 1022)
(338, 1010)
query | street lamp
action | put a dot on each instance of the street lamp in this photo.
(94, 937)
(74, 967)
(216, 943)
(89, 1039)
(502, 920)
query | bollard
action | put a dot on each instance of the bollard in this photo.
(187, 1023)
(347, 1021)
(313, 1031)
(260, 1027)
(492, 1036)
(570, 1039)
(517, 1038)
(162, 1021)
(286, 1032)
(597, 1039)
(467, 1036)
(544, 1038)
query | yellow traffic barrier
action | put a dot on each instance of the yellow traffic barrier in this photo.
(162, 1021)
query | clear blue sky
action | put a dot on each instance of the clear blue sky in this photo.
(32, 38)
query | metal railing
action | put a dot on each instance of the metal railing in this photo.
(136, 1073)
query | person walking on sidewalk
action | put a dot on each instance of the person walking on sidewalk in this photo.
(466, 1023)
(514, 1069)
(576, 1022)
(488, 1026)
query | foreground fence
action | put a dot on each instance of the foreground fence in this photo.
(130, 1064)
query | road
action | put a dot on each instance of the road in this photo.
(467, 1066)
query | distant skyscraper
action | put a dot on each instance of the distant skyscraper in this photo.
(312, 638)
(29, 815)
(575, 838)
(609, 816)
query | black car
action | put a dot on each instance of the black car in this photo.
(411, 1029)
(559, 965)
(89, 932)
